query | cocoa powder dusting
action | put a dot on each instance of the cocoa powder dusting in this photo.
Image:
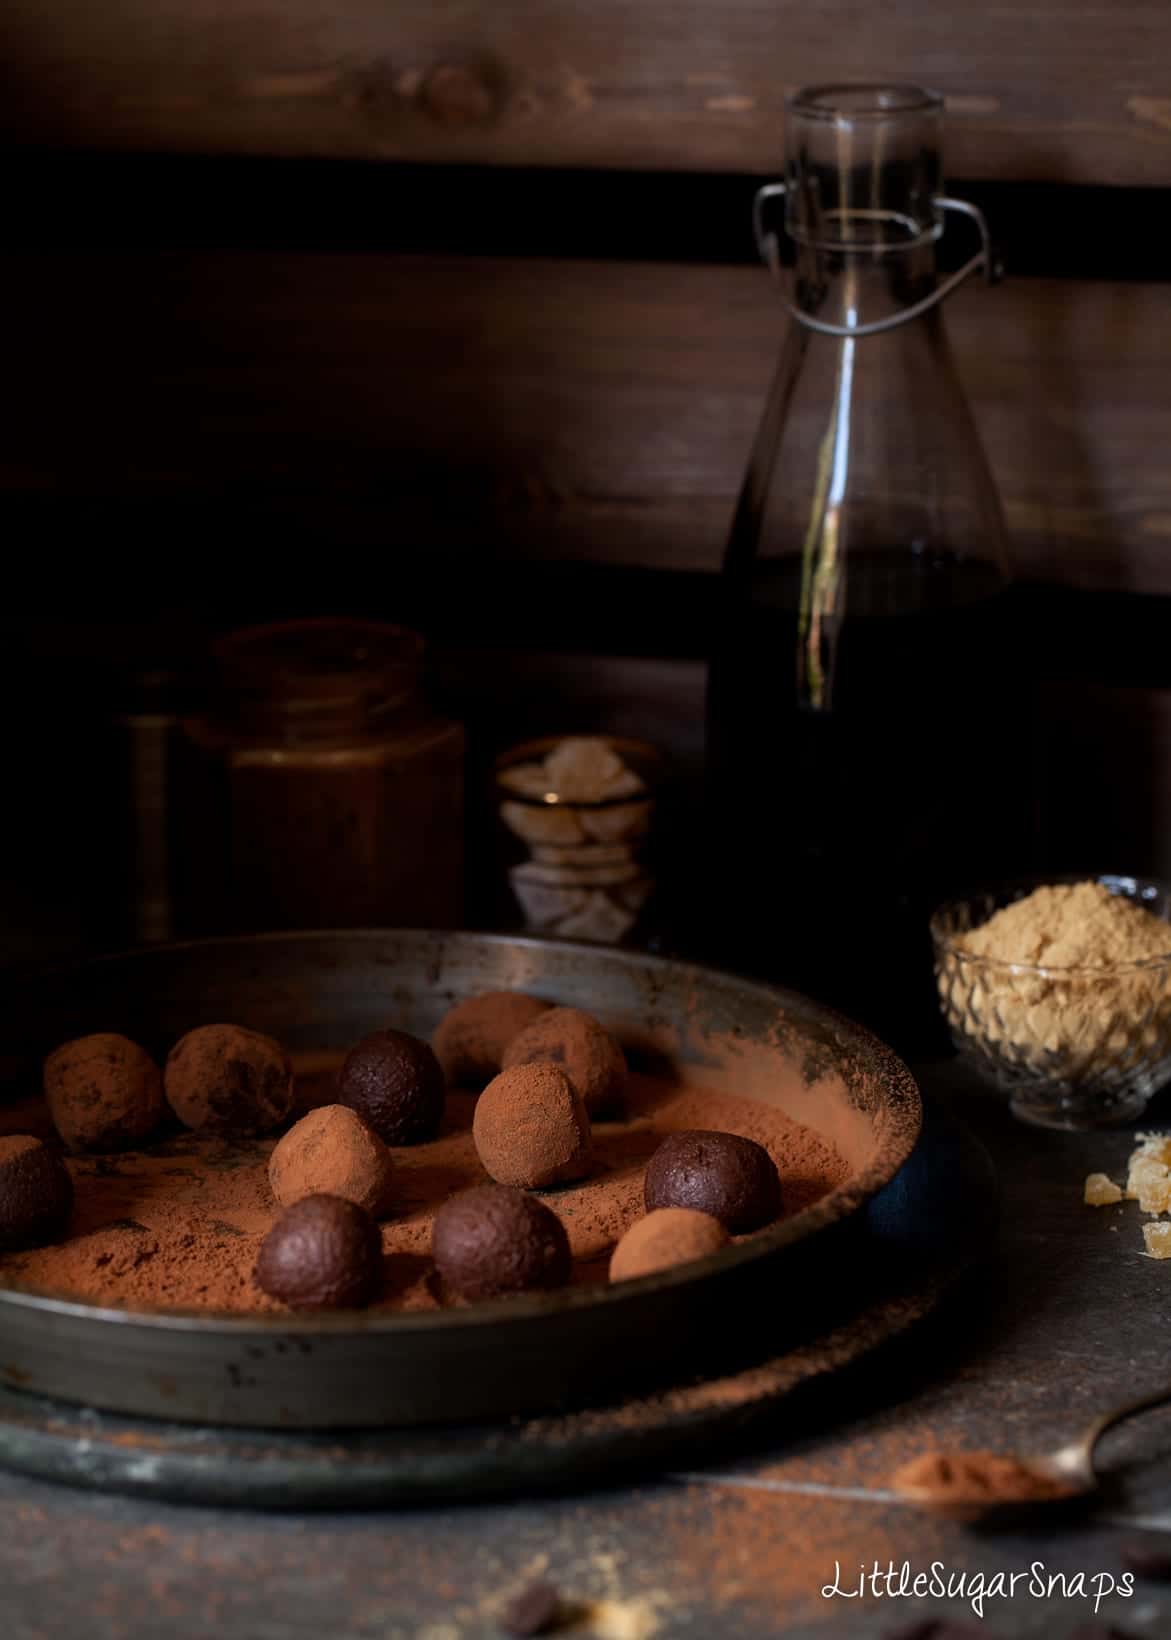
(178, 1226)
(951, 1481)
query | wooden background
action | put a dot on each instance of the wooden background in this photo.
(449, 312)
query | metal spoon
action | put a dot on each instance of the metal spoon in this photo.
(1064, 1474)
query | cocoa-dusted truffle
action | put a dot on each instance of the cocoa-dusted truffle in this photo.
(323, 1253)
(104, 1092)
(733, 1179)
(666, 1237)
(226, 1079)
(394, 1082)
(492, 1240)
(470, 1039)
(36, 1192)
(530, 1127)
(585, 1050)
(332, 1152)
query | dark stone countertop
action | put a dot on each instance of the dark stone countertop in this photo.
(1066, 1318)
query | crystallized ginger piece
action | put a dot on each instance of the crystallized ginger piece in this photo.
(1101, 1191)
(1155, 1145)
(1157, 1236)
(1148, 1180)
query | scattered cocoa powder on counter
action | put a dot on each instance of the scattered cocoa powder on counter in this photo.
(179, 1226)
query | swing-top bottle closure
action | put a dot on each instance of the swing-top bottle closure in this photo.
(823, 123)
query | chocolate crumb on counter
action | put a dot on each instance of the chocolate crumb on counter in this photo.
(535, 1610)
(1148, 1558)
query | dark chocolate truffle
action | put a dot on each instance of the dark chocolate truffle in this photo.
(332, 1152)
(585, 1050)
(323, 1253)
(492, 1240)
(104, 1092)
(531, 1129)
(733, 1179)
(36, 1192)
(394, 1082)
(471, 1038)
(226, 1079)
(666, 1237)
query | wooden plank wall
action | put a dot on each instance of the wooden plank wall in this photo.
(528, 408)
(493, 360)
(1065, 90)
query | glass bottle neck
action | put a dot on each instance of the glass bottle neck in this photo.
(857, 287)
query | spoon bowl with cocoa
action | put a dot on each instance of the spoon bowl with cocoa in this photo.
(991, 1488)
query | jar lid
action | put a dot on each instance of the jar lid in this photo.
(308, 678)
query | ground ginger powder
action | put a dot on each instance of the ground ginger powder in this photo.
(1093, 1010)
(1070, 925)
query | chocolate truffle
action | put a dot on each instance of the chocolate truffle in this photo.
(395, 1084)
(666, 1237)
(323, 1253)
(226, 1079)
(733, 1179)
(585, 1050)
(36, 1192)
(104, 1092)
(470, 1039)
(492, 1240)
(531, 1129)
(332, 1152)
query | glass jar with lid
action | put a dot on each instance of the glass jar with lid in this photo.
(335, 790)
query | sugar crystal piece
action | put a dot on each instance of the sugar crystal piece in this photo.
(1101, 1191)
(580, 768)
(1157, 1236)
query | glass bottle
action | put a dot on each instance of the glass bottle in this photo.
(330, 792)
(858, 683)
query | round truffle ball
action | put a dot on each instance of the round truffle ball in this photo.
(585, 1050)
(104, 1092)
(323, 1253)
(733, 1179)
(531, 1129)
(666, 1237)
(470, 1039)
(226, 1079)
(395, 1084)
(492, 1240)
(36, 1192)
(332, 1152)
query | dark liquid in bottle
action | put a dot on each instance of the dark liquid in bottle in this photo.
(862, 766)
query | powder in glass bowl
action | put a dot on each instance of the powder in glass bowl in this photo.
(1070, 925)
(1062, 998)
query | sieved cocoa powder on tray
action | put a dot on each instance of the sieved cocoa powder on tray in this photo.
(179, 1226)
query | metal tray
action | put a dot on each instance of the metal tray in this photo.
(324, 990)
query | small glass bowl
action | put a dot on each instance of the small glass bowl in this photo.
(1072, 1047)
(581, 866)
